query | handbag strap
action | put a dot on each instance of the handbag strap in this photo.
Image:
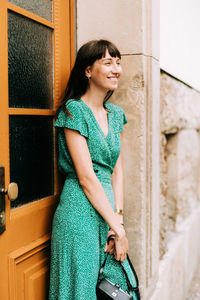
(131, 288)
(135, 289)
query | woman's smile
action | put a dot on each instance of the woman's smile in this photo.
(113, 78)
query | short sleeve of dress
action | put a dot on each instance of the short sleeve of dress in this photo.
(76, 121)
(123, 120)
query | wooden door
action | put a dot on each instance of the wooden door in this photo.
(36, 53)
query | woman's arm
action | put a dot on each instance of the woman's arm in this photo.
(117, 183)
(91, 185)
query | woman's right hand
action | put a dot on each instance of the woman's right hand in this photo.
(121, 247)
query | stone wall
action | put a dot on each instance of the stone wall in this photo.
(180, 184)
(180, 155)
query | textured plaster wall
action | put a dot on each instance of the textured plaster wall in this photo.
(179, 181)
(134, 27)
(180, 155)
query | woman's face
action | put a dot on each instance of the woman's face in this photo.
(105, 72)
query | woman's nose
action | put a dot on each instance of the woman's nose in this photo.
(116, 68)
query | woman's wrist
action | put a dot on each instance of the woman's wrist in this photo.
(120, 218)
(120, 232)
(117, 226)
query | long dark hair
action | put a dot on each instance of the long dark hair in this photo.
(86, 56)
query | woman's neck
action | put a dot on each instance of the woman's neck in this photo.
(94, 99)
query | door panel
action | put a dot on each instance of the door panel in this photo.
(36, 55)
(30, 266)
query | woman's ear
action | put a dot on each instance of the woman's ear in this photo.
(88, 72)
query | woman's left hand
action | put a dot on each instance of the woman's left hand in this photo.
(110, 247)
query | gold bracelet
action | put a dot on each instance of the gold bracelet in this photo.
(119, 211)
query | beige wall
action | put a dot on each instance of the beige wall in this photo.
(134, 27)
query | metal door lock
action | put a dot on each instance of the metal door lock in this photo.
(2, 218)
(12, 191)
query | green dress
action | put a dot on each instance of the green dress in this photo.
(79, 233)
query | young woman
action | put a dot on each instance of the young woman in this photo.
(91, 202)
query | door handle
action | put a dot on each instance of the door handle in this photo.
(12, 191)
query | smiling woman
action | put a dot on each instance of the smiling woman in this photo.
(91, 204)
(104, 73)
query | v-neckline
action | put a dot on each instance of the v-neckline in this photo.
(97, 123)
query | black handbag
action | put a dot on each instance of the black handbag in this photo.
(106, 290)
